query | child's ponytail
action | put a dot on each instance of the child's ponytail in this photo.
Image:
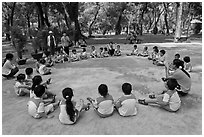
(70, 108)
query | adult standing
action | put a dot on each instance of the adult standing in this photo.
(51, 42)
(183, 78)
(9, 69)
(65, 40)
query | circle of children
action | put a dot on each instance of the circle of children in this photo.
(42, 102)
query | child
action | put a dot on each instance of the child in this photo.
(37, 80)
(105, 52)
(187, 64)
(117, 51)
(43, 70)
(177, 56)
(20, 88)
(49, 61)
(135, 51)
(103, 105)
(84, 54)
(101, 53)
(93, 53)
(162, 59)
(58, 58)
(170, 65)
(37, 65)
(74, 56)
(170, 100)
(111, 49)
(36, 106)
(144, 52)
(126, 104)
(29, 76)
(154, 55)
(69, 110)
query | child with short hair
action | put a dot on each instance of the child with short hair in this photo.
(70, 111)
(111, 50)
(117, 51)
(126, 104)
(177, 56)
(187, 64)
(74, 56)
(37, 107)
(154, 56)
(84, 54)
(28, 76)
(103, 105)
(170, 100)
(100, 54)
(105, 52)
(20, 88)
(144, 52)
(162, 59)
(93, 53)
(43, 70)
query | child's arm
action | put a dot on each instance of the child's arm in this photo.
(24, 86)
(118, 103)
(41, 111)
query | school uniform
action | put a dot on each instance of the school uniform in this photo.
(20, 91)
(173, 101)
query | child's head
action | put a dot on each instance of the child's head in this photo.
(21, 77)
(84, 49)
(177, 56)
(74, 51)
(178, 63)
(39, 90)
(135, 46)
(186, 59)
(101, 49)
(155, 47)
(42, 61)
(127, 88)
(36, 81)
(118, 46)
(93, 48)
(145, 48)
(29, 71)
(162, 52)
(67, 94)
(103, 90)
(105, 48)
(156, 50)
(64, 34)
(171, 84)
(9, 56)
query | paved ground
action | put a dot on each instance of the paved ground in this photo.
(85, 76)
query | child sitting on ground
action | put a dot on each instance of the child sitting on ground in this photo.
(20, 88)
(93, 53)
(103, 105)
(74, 56)
(105, 52)
(84, 54)
(154, 56)
(28, 76)
(43, 70)
(117, 51)
(37, 65)
(37, 108)
(187, 64)
(49, 61)
(100, 54)
(170, 100)
(59, 58)
(170, 65)
(126, 104)
(144, 52)
(161, 60)
(134, 51)
(111, 50)
(70, 111)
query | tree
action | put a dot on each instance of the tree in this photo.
(179, 7)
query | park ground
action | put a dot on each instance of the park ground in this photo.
(85, 77)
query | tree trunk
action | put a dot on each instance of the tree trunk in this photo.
(46, 18)
(118, 26)
(95, 16)
(40, 13)
(165, 18)
(66, 16)
(12, 13)
(178, 22)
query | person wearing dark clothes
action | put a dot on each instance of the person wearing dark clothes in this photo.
(111, 50)
(51, 42)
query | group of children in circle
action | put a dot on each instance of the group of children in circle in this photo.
(42, 102)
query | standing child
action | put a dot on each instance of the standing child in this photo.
(187, 64)
(93, 53)
(84, 54)
(69, 110)
(21, 89)
(126, 104)
(103, 105)
(144, 52)
(170, 100)
(36, 106)
(43, 70)
(117, 51)
(74, 56)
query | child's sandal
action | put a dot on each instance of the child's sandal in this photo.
(142, 101)
(88, 107)
(152, 96)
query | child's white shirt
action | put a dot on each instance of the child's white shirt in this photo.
(41, 69)
(17, 89)
(188, 67)
(174, 101)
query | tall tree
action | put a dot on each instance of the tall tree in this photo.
(179, 7)
(41, 19)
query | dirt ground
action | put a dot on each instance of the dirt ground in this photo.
(85, 76)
